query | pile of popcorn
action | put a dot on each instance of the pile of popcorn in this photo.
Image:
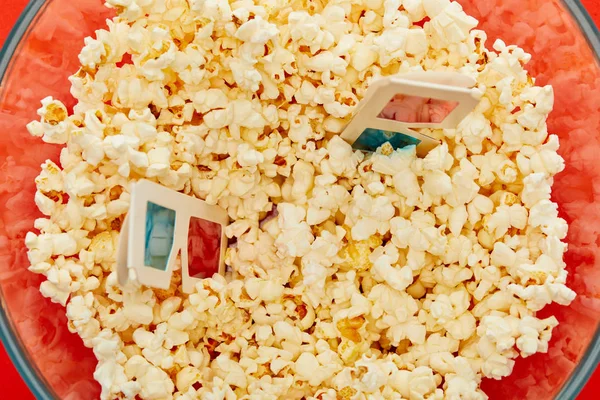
(384, 275)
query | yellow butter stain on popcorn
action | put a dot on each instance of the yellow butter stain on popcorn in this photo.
(346, 393)
(349, 328)
(356, 253)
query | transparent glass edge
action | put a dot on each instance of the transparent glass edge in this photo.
(583, 371)
(590, 360)
(17, 34)
(13, 346)
(586, 24)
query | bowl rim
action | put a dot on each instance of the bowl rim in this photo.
(15, 349)
(18, 33)
(590, 360)
(586, 23)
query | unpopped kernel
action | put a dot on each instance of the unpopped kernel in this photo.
(382, 275)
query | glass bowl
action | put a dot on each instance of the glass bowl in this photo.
(41, 53)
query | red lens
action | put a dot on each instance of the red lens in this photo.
(204, 248)
(417, 109)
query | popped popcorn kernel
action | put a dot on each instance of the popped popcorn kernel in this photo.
(357, 253)
(54, 113)
(346, 393)
(349, 328)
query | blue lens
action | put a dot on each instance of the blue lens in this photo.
(160, 227)
(371, 139)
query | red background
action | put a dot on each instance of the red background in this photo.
(11, 383)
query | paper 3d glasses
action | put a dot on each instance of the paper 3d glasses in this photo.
(394, 106)
(162, 224)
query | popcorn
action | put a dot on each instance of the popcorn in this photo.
(437, 183)
(229, 370)
(306, 29)
(307, 367)
(538, 296)
(417, 383)
(380, 275)
(463, 327)
(457, 219)
(54, 126)
(297, 235)
(415, 8)
(342, 160)
(398, 278)
(464, 382)
(154, 382)
(368, 215)
(248, 157)
(416, 42)
(449, 24)
(535, 334)
(363, 57)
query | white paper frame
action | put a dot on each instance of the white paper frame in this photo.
(132, 240)
(449, 86)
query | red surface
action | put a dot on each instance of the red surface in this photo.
(11, 383)
(10, 380)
